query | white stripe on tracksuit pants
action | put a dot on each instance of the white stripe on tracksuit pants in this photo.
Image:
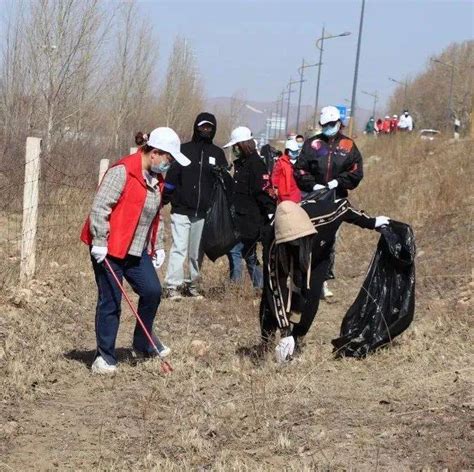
(186, 232)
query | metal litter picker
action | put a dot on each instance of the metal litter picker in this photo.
(165, 365)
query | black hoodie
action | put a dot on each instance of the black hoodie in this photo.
(191, 187)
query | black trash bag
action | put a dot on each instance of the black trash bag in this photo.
(220, 233)
(385, 305)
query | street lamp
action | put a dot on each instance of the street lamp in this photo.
(376, 97)
(450, 102)
(290, 91)
(301, 72)
(405, 85)
(356, 71)
(321, 40)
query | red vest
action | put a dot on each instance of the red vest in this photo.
(123, 219)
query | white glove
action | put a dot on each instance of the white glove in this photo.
(333, 184)
(99, 253)
(285, 349)
(159, 258)
(270, 216)
(381, 221)
(318, 187)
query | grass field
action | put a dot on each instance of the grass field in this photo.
(407, 407)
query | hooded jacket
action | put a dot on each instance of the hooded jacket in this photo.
(323, 159)
(190, 188)
(251, 196)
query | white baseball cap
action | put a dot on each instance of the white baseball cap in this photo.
(292, 145)
(166, 139)
(239, 135)
(329, 114)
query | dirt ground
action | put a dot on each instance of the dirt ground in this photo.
(407, 407)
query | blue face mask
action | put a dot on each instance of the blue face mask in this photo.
(294, 154)
(331, 130)
(300, 145)
(161, 168)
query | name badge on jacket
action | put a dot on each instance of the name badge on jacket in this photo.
(212, 161)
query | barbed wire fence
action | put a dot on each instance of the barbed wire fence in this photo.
(43, 207)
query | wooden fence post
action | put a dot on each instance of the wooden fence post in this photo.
(30, 209)
(104, 165)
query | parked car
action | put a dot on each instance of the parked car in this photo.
(429, 134)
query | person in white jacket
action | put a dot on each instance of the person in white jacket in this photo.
(405, 123)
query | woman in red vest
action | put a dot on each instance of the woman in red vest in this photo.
(122, 226)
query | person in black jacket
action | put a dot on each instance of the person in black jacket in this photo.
(254, 206)
(329, 159)
(300, 249)
(270, 156)
(190, 191)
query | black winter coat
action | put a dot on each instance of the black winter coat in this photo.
(190, 188)
(251, 199)
(323, 159)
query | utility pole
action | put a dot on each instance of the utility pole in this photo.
(290, 91)
(356, 71)
(405, 85)
(301, 72)
(280, 114)
(376, 97)
(321, 40)
(450, 97)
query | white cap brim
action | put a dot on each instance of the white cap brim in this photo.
(229, 144)
(204, 122)
(178, 156)
(181, 159)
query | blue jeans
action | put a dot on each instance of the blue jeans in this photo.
(141, 275)
(246, 249)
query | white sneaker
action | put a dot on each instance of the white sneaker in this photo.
(100, 366)
(165, 351)
(326, 293)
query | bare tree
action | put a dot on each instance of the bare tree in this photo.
(428, 93)
(182, 96)
(63, 39)
(14, 72)
(134, 60)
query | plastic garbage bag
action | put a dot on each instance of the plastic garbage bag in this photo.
(385, 305)
(219, 234)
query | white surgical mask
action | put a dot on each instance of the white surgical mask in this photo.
(331, 130)
(161, 168)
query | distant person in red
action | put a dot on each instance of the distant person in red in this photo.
(283, 180)
(394, 124)
(379, 126)
(386, 125)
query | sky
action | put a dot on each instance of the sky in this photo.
(254, 46)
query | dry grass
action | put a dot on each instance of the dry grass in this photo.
(407, 407)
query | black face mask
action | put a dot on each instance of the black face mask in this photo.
(204, 134)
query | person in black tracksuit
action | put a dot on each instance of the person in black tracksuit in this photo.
(254, 206)
(294, 311)
(190, 191)
(329, 159)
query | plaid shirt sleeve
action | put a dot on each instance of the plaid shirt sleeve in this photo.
(107, 196)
